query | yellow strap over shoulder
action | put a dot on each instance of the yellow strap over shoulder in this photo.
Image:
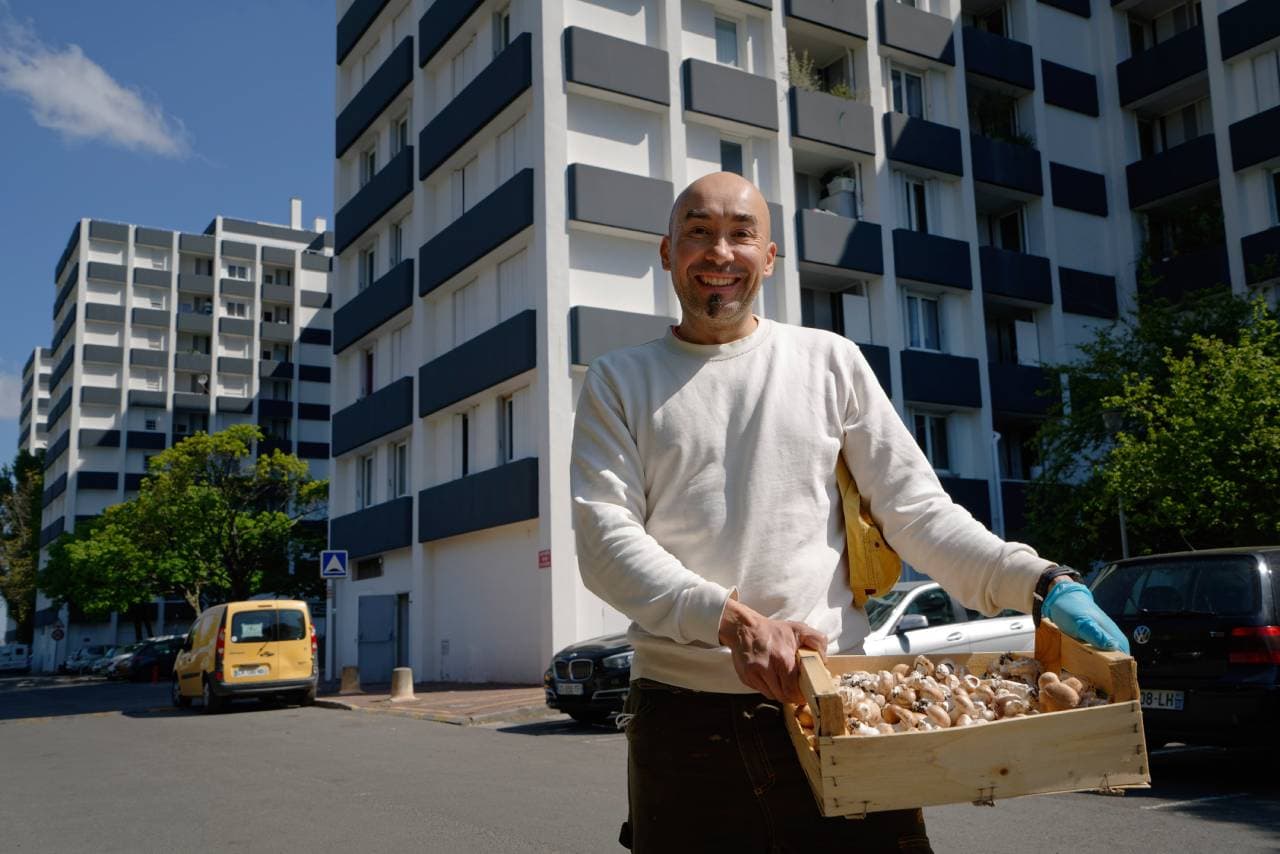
(873, 566)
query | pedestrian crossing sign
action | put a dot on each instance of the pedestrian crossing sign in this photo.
(333, 564)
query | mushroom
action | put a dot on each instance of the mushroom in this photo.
(938, 715)
(1057, 696)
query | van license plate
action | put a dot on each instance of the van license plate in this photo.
(1168, 700)
(569, 688)
(252, 670)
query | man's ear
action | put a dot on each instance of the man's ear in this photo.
(664, 250)
(771, 254)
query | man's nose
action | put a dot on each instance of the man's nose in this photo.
(720, 251)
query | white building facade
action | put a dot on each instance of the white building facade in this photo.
(35, 401)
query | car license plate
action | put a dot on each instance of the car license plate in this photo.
(252, 670)
(1170, 700)
(569, 688)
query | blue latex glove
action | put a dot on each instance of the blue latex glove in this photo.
(1071, 607)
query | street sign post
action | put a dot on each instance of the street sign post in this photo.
(333, 563)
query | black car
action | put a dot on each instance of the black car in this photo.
(588, 681)
(153, 658)
(1204, 628)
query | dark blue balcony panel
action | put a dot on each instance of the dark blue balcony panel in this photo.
(99, 438)
(59, 409)
(916, 31)
(374, 199)
(1021, 389)
(373, 530)
(931, 258)
(437, 26)
(67, 289)
(615, 65)
(1092, 294)
(1068, 88)
(52, 531)
(268, 408)
(271, 443)
(102, 354)
(1171, 61)
(389, 295)
(1075, 7)
(235, 326)
(830, 120)
(57, 448)
(142, 397)
(618, 199)
(1078, 189)
(158, 237)
(103, 313)
(355, 22)
(1256, 139)
(151, 277)
(64, 365)
(316, 261)
(505, 79)
(1175, 278)
(1013, 500)
(194, 283)
(1261, 252)
(972, 494)
(92, 396)
(240, 251)
(878, 358)
(386, 410)
(596, 331)
(64, 328)
(234, 404)
(314, 373)
(133, 481)
(849, 19)
(278, 257)
(1184, 167)
(236, 287)
(151, 317)
(54, 489)
(921, 143)
(727, 93)
(104, 272)
(116, 231)
(315, 299)
(941, 379)
(313, 450)
(200, 362)
(1016, 275)
(198, 324)
(997, 58)
(145, 440)
(1246, 26)
(73, 243)
(487, 499)
(829, 240)
(314, 335)
(498, 354)
(190, 401)
(1006, 164)
(395, 73)
(275, 370)
(199, 244)
(313, 411)
(106, 480)
(494, 220)
(277, 293)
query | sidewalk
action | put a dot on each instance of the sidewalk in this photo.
(462, 704)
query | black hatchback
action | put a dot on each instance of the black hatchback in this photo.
(1204, 628)
(588, 680)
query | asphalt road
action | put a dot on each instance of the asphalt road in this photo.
(87, 766)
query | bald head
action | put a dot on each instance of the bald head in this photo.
(728, 192)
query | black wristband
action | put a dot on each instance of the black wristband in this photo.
(1042, 588)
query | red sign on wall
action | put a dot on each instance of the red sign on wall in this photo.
(544, 559)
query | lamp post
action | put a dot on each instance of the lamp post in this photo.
(1113, 421)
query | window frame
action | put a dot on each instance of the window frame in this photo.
(902, 71)
(738, 47)
(920, 298)
(932, 419)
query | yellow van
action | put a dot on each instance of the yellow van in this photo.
(259, 648)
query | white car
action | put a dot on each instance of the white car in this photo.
(920, 617)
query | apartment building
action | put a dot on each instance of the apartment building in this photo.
(966, 188)
(35, 400)
(160, 334)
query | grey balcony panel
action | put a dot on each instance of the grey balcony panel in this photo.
(146, 440)
(828, 119)
(103, 354)
(279, 332)
(234, 404)
(371, 203)
(940, 378)
(922, 143)
(878, 358)
(596, 331)
(155, 317)
(355, 22)
(235, 326)
(1169, 62)
(505, 351)
(64, 328)
(151, 277)
(56, 448)
(1075, 7)
(391, 78)
(313, 412)
(504, 80)
(728, 93)
(381, 528)
(105, 480)
(201, 244)
(271, 369)
(616, 65)
(195, 284)
(1181, 275)
(119, 232)
(618, 199)
(271, 232)
(1078, 189)
(972, 494)
(1006, 164)
(277, 293)
(1068, 88)
(189, 401)
(495, 219)
(1013, 501)
(1261, 252)
(387, 409)
(1183, 167)
(200, 324)
(235, 288)
(270, 408)
(181, 361)
(998, 58)
(932, 258)
(1092, 294)
(313, 450)
(316, 262)
(916, 31)
(437, 26)
(60, 370)
(487, 499)
(389, 295)
(55, 489)
(105, 272)
(233, 365)
(315, 335)
(1246, 26)
(278, 257)
(1256, 139)
(315, 299)
(142, 397)
(158, 237)
(59, 409)
(73, 243)
(837, 241)
(133, 481)
(847, 18)
(1015, 274)
(1021, 389)
(99, 438)
(52, 531)
(107, 313)
(240, 251)
(94, 396)
(67, 289)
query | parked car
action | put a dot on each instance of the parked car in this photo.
(15, 657)
(110, 666)
(153, 657)
(79, 660)
(1204, 628)
(588, 680)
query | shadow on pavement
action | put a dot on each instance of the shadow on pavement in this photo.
(62, 696)
(561, 726)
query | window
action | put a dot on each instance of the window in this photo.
(1266, 80)
(462, 67)
(237, 271)
(466, 312)
(513, 296)
(511, 144)
(727, 42)
(200, 344)
(152, 379)
(368, 165)
(366, 373)
(464, 188)
(275, 352)
(908, 93)
(399, 352)
(931, 436)
(506, 429)
(149, 420)
(463, 422)
(204, 266)
(917, 205)
(995, 21)
(730, 157)
(237, 309)
(397, 243)
(501, 30)
(364, 481)
(935, 605)
(400, 470)
(368, 568)
(1009, 231)
(278, 389)
(367, 269)
(399, 135)
(157, 300)
(155, 341)
(822, 310)
(924, 331)
(277, 276)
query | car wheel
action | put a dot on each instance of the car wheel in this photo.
(307, 697)
(212, 702)
(179, 701)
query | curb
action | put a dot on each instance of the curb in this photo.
(523, 713)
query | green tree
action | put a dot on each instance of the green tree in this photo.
(21, 494)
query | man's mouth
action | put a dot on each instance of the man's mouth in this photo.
(713, 280)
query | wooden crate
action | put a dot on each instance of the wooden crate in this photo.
(1098, 748)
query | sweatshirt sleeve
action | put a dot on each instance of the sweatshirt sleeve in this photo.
(919, 520)
(619, 561)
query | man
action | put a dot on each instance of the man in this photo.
(706, 510)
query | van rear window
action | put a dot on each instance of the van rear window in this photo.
(288, 624)
(1223, 586)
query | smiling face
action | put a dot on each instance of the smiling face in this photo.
(719, 254)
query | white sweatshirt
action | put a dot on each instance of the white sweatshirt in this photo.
(704, 471)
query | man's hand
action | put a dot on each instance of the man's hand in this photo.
(1071, 607)
(764, 650)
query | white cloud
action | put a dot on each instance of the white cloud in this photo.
(10, 396)
(73, 95)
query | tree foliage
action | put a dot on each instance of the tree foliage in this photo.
(21, 494)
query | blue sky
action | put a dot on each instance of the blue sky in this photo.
(163, 113)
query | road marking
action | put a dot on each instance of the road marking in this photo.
(1176, 804)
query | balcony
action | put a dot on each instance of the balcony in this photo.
(373, 200)
(240, 405)
(190, 401)
(1069, 88)
(104, 480)
(1006, 165)
(1016, 275)
(277, 293)
(921, 143)
(377, 94)
(64, 329)
(104, 313)
(1001, 60)
(233, 365)
(1172, 61)
(152, 278)
(616, 66)
(145, 440)
(387, 409)
(603, 197)
(505, 79)
(200, 244)
(99, 438)
(271, 369)
(194, 362)
(275, 332)
(847, 19)
(1091, 294)
(102, 354)
(829, 120)
(1181, 275)
(437, 26)
(73, 243)
(153, 317)
(725, 93)
(389, 295)
(236, 287)
(146, 397)
(1021, 389)
(272, 408)
(505, 351)
(916, 32)
(104, 272)
(381, 528)
(313, 412)
(596, 331)
(1078, 189)
(487, 499)
(359, 16)
(1184, 167)
(940, 378)
(1261, 255)
(235, 326)
(93, 396)
(493, 221)
(67, 289)
(972, 494)
(1256, 139)
(313, 450)
(193, 283)
(932, 258)
(197, 323)
(268, 444)
(831, 245)
(1246, 26)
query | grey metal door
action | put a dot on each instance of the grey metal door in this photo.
(377, 638)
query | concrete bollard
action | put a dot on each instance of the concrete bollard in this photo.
(402, 684)
(350, 681)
